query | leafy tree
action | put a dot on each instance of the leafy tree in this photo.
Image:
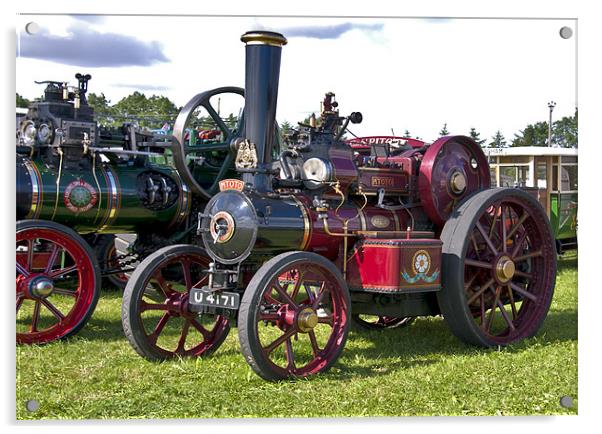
(162, 106)
(444, 131)
(476, 137)
(285, 129)
(498, 140)
(533, 135)
(231, 121)
(99, 103)
(22, 102)
(565, 132)
(102, 109)
(136, 103)
(150, 112)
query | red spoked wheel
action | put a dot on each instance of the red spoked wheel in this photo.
(155, 313)
(106, 252)
(119, 280)
(453, 168)
(499, 268)
(374, 322)
(57, 282)
(298, 328)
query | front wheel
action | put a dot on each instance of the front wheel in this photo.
(294, 328)
(155, 315)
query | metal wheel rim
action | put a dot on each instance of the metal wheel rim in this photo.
(83, 294)
(528, 292)
(335, 317)
(174, 305)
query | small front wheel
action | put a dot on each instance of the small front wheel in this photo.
(294, 328)
(155, 315)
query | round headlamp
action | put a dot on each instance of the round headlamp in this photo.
(43, 133)
(316, 172)
(230, 230)
(28, 133)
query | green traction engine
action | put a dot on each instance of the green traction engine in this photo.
(79, 184)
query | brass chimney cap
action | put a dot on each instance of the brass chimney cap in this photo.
(262, 37)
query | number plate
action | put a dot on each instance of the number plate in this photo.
(205, 297)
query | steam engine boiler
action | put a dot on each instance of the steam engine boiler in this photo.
(324, 233)
(62, 177)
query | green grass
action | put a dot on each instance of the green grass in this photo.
(419, 370)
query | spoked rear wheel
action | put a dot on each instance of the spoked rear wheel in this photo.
(294, 327)
(155, 315)
(499, 268)
(374, 322)
(57, 280)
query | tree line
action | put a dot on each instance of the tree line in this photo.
(564, 135)
(154, 111)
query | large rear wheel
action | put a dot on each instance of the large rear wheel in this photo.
(499, 268)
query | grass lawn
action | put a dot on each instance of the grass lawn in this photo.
(418, 370)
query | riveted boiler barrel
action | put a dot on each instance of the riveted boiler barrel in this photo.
(110, 199)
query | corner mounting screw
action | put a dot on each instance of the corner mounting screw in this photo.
(566, 401)
(32, 28)
(32, 405)
(566, 32)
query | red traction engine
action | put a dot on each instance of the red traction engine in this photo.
(323, 234)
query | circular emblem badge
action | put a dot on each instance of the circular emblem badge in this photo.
(79, 196)
(222, 227)
(421, 262)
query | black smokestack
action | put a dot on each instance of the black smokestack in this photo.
(263, 50)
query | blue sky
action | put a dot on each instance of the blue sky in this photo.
(413, 74)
